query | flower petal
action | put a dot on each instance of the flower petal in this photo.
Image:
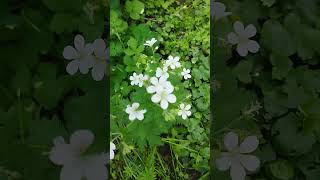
(81, 139)
(237, 172)
(253, 46)
(72, 67)
(72, 171)
(156, 98)
(70, 53)
(140, 115)
(151, 89)
(154, 80)
(188, 106)
(238, 27)
(132, 116)
(99, 47)
(61, 154)
(223, 163)
(98, 72)
(164, 104)
(233, 38)
(242, 49)
(79, 42)
(250, 162)
(250, 31)
(96, 171)
(249, 144)
(171, 98)
(231, 141)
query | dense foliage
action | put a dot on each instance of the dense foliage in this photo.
(273, 93)
(160, 144)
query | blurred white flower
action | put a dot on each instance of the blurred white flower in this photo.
(184, 110)
(112, 148)
(186, 73)
(135, 79)
(236, 158)
(241, 38)
(164, 96)
(218, 10)
(76, 165)
(162, 72)
(101, 54)
(144, 77)
(151, 42)
(158, 84)
(172, 62)
(134, 113)
(81, 56)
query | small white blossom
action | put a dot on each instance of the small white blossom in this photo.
(162, 72)
(237, 158)
(184, 110)
(158, 84)
(112, 148)
(101, 53)
(172, 62)
(135, 79)
(164, 96)
(145, 77)
(218, 10)
(76, 165)
(151, 42)
(134, 113)
(186, 73)
(80, 54)
(241, 38)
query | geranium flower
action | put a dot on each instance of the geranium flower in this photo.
(134, 113)
(162, 72)
(186, 73)
(241, 37)
(164, 96)
(159, 84)
(81, 56)
(184, 110)
(151, 42)
(218, 9)
(100, 64)
(135, 79)
(112, 148)
(237, 157)
(75, 164)
(172, 62)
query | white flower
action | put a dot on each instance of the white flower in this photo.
(76, 165)
(134, 113)
(112, 148)
(150, 42)
(100, 64)
(241, 37)
(172, 62)
(184, 111)
(138, 79)
(218, 10)
(236, 158)
(162, 72)
(186, 73)
(165, 97)
(144, 77)
(159, 84)
(81, 56)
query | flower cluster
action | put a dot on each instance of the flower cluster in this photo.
(84, 56)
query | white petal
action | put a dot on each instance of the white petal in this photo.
(188, 107)
(250, 162)
(237, 172)
(250, 31)
(81, 139)
(242, 49)
(70, 53)
(156, 98)
(188, 113)
(135, 105)
(129, 109)
(164, 104)
(61, 154)
(154, 80)
(249, 144)
(132, 116)
(140, 115)
(79, 42)
(179, 112)
(99, 47)
(98, 72)
(151, 89)
(112, 146)
(233, 38)
(88, 49)
(72, 67)
(85, 64)
(231, 141)
(171, 98)
(182, 106)
(71, 172)
(111, 154)
(184, 116)
(96, 171)
(253, 46)
(223, 163)
(238, 27)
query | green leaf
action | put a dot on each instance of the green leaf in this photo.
(281, 66)
(134, 8)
